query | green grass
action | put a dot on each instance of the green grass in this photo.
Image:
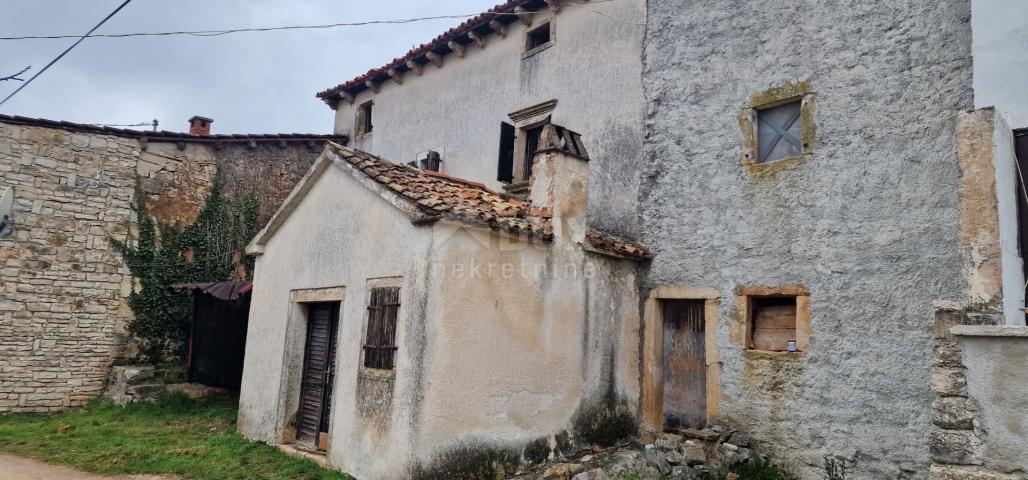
(174, 436)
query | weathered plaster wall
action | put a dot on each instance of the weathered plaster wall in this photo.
(62, 314)
(525, 334)
(998, 382)
(593, 70)
(978, 413)
(319, 246)
(867, 224)
(1000, 59)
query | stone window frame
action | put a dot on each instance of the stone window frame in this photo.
(524, 120)
(653, 352)
(373, 283)
(294, 352)
(741, 330)
(772, 97)
(551, 21)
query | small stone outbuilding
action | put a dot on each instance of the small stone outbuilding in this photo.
(401, 317)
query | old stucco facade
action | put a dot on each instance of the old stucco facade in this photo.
(504, 340)
(866, 223)
(592, 70)
(63, 316)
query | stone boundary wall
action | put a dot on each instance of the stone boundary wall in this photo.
(958, 437)
(63, 316)
(62, 286)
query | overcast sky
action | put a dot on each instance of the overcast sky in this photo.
(247, 82)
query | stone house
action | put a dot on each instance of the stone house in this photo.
(383, 327)
(69, 188)
(830, 196)
(844, 177)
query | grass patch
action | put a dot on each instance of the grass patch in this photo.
(173, 436)
(752, 470)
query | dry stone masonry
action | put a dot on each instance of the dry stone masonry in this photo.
(63, 315)
(62, 312)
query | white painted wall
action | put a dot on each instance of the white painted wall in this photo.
(1000, 47)
(594, 70)
(1007, 192)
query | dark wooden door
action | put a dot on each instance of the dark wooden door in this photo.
(685, 368)
(318, 372)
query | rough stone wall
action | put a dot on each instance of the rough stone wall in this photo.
(177, 180)
(62, 313)
(959, 438)
(868, 224)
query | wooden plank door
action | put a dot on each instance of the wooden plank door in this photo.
(318, 372)
(685, 367)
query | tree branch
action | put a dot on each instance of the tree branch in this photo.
(15, 76)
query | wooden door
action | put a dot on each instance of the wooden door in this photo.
(318, 372)
(685, 368)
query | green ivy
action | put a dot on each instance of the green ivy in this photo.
(209, 250)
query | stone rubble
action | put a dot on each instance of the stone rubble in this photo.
(677, 456)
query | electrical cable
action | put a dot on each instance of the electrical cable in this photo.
(65, 52)
(215, 33)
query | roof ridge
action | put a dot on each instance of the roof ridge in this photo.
(163, 134)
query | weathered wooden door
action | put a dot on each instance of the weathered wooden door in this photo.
(318, 372)
(685, 368)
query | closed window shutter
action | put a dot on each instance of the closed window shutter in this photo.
(380, 343)
(505, 164)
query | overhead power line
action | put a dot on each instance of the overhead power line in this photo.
(215, 33)
(65, 52)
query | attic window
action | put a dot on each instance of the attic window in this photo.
(364, 124)
(539, 38)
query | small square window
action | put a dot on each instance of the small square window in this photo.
(779, 132)
(773, 324)
(539, 38)
(364, 124)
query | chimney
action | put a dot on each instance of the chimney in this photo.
(559, 182)
(200, 125)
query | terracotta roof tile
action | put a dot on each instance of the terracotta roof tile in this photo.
(443, 196)
(614, 245)
(164, 134)
(502, 12)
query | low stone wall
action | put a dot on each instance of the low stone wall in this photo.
(980, 384)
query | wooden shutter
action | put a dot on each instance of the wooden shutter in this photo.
(774, 323)
(380, 344)
(318, 371)
(505, 164)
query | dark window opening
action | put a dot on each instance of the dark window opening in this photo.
(532, 136)
(380, 343)
(773, 323)
(505, 165)
(364, 124)
(779, 132)
(538, 37)
(1021, 149)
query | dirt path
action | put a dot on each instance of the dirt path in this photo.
(18, 468)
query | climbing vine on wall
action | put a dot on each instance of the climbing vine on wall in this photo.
(209, 250)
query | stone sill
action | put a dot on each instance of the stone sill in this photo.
(1009, 331)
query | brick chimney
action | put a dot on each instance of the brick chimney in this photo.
(200, 125)
(559, 181)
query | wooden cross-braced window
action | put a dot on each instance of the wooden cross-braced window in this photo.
(779, 131)
(380, 343)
